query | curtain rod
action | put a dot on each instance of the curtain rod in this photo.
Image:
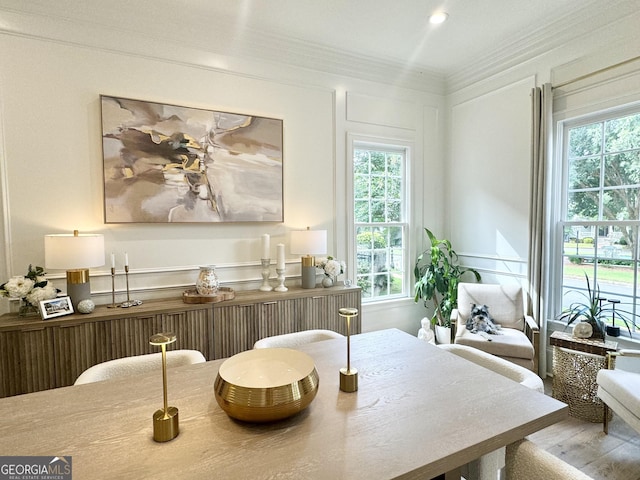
(596, 72)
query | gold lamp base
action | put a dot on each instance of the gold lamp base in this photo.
(348, 380)
(165, 427)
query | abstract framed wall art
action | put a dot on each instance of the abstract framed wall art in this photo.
(172, 164)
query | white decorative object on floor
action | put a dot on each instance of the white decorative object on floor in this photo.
(425, 333)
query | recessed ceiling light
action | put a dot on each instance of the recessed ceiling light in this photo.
(438, 17)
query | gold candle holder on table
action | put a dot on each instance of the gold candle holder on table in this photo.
(165, 421)
(129, 302)
(348, 375)
(113, 289)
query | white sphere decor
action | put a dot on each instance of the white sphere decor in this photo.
(86, 306)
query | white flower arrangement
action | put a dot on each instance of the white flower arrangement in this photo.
(31, 288)
(332, 267)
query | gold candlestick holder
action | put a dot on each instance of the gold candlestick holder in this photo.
(113, 289)
(165, 420)
(129, 302)
(348, 375)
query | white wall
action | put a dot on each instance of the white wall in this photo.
(489, 178)
(51, 158)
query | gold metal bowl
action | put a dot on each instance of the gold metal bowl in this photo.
(267, 384)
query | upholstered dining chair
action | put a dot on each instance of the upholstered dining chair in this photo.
(295, 339)
(508, 369)
(123, 367)
(524, 460)
(619, 387)
(518, 341)
(484, 465)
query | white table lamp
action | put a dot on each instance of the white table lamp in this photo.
(75, 253)
(308, 243)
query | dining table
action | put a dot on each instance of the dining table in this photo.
(419, 412)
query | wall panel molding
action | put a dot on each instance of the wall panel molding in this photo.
(495, 265)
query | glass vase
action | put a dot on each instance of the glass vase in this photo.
(27, 310)
(207, 282)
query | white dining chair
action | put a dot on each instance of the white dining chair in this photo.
(127, 366)
(487, 465)
(295, 339)
(508, 369)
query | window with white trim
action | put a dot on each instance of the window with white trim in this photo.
(380, 219)
(601, 212)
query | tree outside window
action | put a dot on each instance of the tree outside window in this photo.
(602, 209)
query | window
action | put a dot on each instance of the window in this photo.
(379, 213)
(601, 211)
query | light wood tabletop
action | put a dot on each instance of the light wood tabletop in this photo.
(419, 412)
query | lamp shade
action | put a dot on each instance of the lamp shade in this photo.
(71, 251)
(309, 242)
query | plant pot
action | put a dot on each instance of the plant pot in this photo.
(443, 334)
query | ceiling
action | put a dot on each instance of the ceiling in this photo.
(325, 32)
(398, 30)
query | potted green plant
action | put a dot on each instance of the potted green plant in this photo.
(437, 275)
(595, 311)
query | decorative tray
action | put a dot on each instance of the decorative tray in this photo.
(192, 296)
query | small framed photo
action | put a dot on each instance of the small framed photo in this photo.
(55, 307)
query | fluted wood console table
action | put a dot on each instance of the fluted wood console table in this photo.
(38, 355)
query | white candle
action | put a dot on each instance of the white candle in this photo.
(280, 262)
(265, 246)
(126, 259)
(113, 260)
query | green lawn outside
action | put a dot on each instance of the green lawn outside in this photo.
(614, 274)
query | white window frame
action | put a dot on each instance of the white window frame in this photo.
(355, 141)
(559, 195)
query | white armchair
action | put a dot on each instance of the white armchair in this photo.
(619, 387)
(519, 339)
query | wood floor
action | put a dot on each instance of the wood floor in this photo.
(585, 446)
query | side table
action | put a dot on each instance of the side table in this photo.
(576, 362)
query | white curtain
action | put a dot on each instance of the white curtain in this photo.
(539, 230)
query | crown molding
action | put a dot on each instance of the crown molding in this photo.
(220, 45)
(218, 49)
(544, 39)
